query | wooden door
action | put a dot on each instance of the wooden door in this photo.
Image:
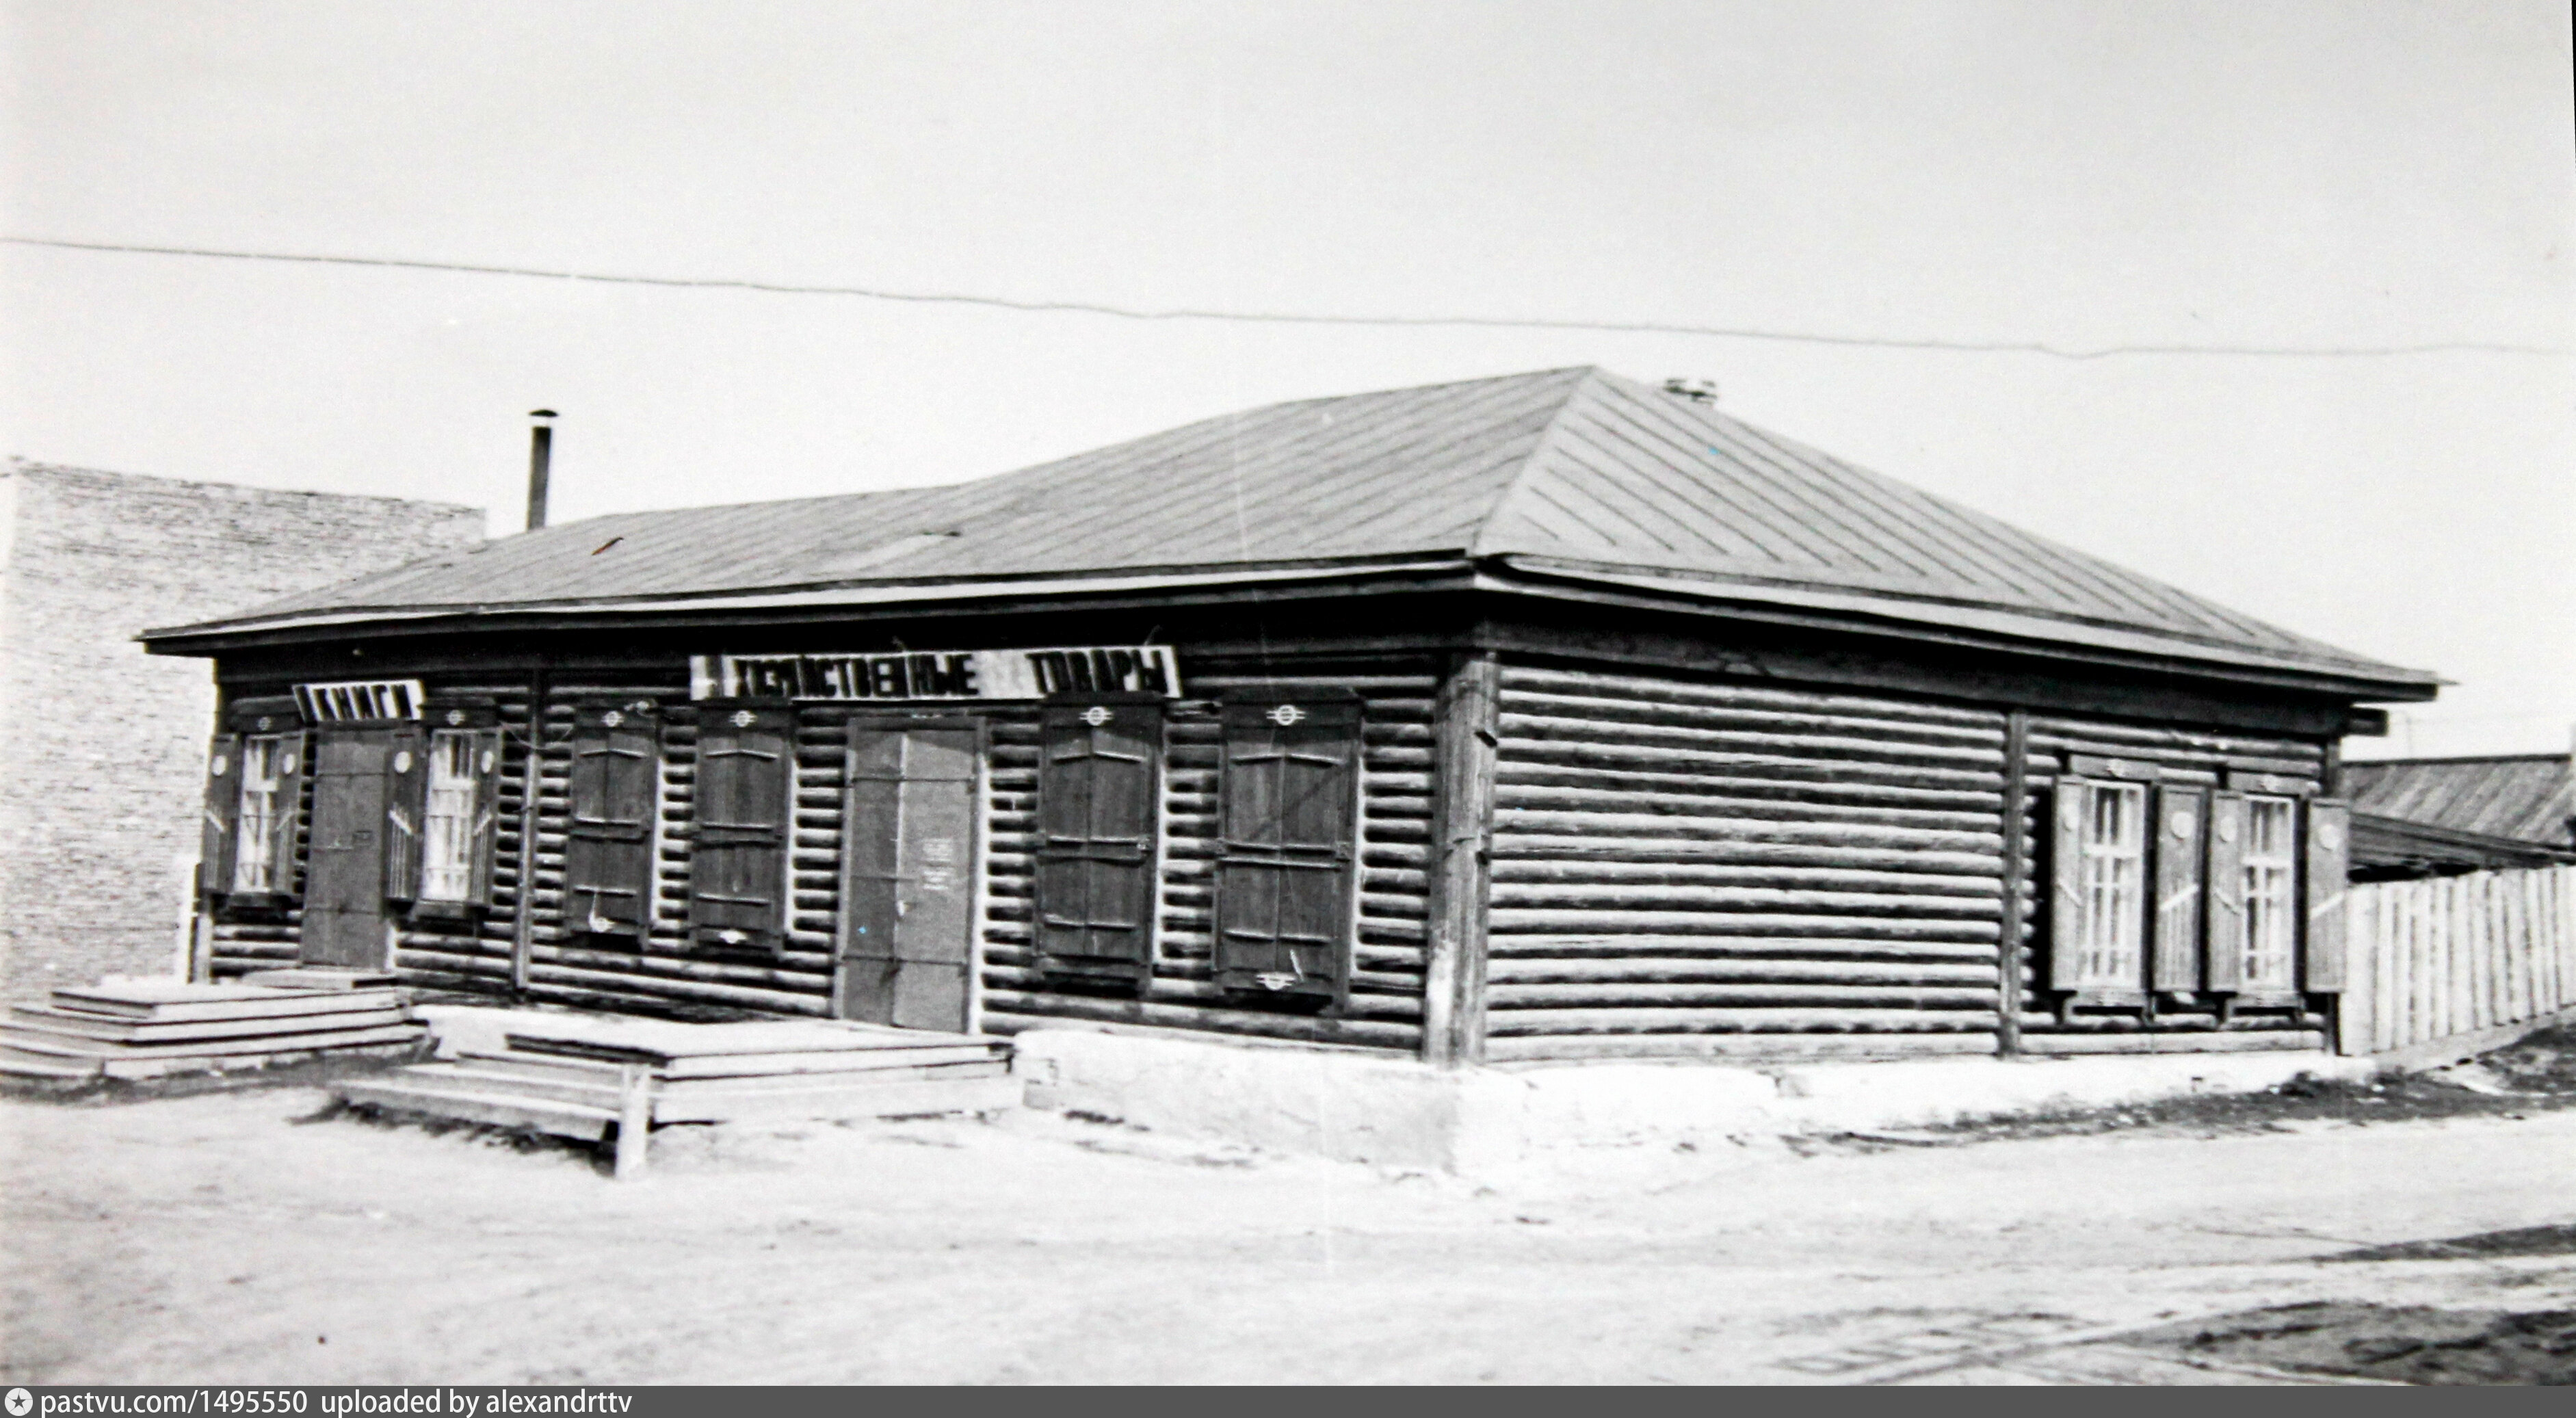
(908, 865)
(344, 884)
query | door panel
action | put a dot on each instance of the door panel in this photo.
(908, 873)
(344, 894)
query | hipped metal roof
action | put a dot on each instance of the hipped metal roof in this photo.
(1564, 478)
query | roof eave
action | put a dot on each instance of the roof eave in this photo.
(2014, 633)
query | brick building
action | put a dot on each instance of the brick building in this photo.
(102, 749)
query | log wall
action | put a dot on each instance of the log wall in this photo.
(1705, 867)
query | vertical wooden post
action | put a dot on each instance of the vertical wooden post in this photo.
(1464, 720)
(634, 1119)
(524, 924)
(201, 931)
(2010, 946)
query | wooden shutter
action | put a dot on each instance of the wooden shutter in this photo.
(2329, 856)
(1100, 793)
(295, 752)
(1290, 818)
(908, 873)
(487, 813)
(608, 847)
(2226, 945)
(406, 799)
(746, 794)
(223, 815)
(2066, 873)
(2181, 816)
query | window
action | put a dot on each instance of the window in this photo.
(264, 842)
(2099, 924)
(2270, 886)
(448, 820)
(1285, 855)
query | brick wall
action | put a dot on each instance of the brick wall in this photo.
(102, 748)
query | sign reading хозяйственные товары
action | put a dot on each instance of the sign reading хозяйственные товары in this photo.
(940, 674)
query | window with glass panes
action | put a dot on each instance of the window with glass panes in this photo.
(265, 821)
(447, 818)
(2111, 946)
(2271, 888)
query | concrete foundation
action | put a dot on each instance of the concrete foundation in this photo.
(1396, 1112)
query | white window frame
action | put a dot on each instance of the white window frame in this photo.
(2112, 950)
(447, 817)
(264, 816)
(2271, 893)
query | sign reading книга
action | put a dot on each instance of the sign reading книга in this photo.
(940, 674)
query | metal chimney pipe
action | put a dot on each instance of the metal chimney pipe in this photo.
(541, 456)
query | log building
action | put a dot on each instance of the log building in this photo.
(1548, 716)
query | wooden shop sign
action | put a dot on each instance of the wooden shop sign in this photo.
(940, 674)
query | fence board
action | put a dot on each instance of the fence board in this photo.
(2457, 955)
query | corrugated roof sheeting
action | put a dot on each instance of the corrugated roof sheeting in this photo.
(2529, 797)
(1575, 463)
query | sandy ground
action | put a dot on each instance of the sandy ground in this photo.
(220, 1239)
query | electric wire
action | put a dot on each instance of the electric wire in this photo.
(1262, 317)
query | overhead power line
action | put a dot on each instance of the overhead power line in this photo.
(1264, 317)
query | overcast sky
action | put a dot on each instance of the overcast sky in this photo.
(2083, 174)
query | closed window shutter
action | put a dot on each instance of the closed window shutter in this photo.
(2328, 864)
(2181, 817)
(223, 811)
(1285, 856)
(2227, 924)
(738, 856)
(2066, 924)
(608, 854)
(406, 800)
(487, 813)
(1100, 774)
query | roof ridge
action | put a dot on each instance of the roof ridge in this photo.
(1515, 486)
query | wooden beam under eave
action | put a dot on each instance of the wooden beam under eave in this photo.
(1462, 820)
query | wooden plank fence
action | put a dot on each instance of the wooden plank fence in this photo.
(2457, 956)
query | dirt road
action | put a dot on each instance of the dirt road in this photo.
(215, 1239)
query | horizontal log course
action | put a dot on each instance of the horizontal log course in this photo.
(1502, 1000)
(450, 963)
(1537, 921)
(1900, 974)
(1653, 689)
(2058, 730)
(1515, 858)
(1745, 745)
(1644, 901)
(1751, 946)
(676, 979)
(1723, 815)
(1187, 981)
(1856, 725)
(1748, 775)
(1505, 1023)
(1891, 873)
(1543, 1047)
(1390, 906)
(2047, 1045)
(1008, 1011)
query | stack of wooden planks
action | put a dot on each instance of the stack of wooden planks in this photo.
(599, 1078)
(148, 1028)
